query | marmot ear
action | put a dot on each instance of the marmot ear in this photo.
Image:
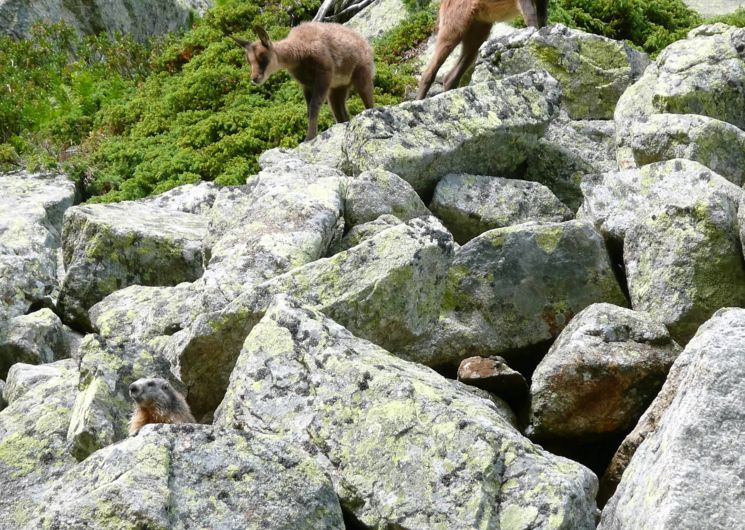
(263, 36)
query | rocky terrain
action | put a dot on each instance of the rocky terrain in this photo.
(513, 305)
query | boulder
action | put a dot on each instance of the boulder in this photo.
(495, 376)
(600, 375)
(189, 198)
(3, 403)
(511, 290)
(181, 476)
(593, 71)
(35, 338)
(469, 205)
(379, 17)
(687, 473)
(404, 446)
(387, 289)
(486, 128)
(360, 233)
(377, 192)
(110, 246)
(702, 75)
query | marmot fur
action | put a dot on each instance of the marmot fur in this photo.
(157, 402)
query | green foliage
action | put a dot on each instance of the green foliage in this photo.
(733, 19)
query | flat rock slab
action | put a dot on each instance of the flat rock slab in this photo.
(710, 8)
(110, 246)
(404, 446)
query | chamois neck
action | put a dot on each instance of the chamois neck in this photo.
(288, 53)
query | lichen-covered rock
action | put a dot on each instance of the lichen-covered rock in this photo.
(186, 476)
(600, 375)
(139, 19)
(688, 472)
(35, 338)
(404, 446)
(31, 209)
(377, 192)
(486, 128)
(495, 376)
(512, 289)
(616, 201)
(469, 205)
(326, 149)
(718, 145)
(110, 246)
(683, 264)
(593, 71)
(359, 233)
(378, 17)
(387, 289)
(189, 198)
(702, 74)
(33, 446)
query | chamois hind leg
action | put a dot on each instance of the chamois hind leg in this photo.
(474, 38)
(318, 94)
(362, 79)
(529, 12)
(541, 7)
(338, 103)
(446, 43)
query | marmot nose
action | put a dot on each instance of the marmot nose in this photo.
(133, 389)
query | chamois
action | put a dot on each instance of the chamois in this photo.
(469, 22)
(326, 59)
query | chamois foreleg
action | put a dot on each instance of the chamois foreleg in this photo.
(541, 7)
(315, 98)
(362, 79)
(529, 11)
(338, 103)
(472, 41)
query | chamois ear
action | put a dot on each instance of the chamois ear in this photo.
(263, 36)
(241, 42)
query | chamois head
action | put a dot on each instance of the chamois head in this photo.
(260, 55)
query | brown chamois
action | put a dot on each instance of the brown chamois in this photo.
(469, 22)
(326, 59)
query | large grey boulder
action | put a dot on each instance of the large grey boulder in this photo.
(36, 338)
(469, 205)
(600, 375)
(486, 128)
(360, 233)
(186, 476)
(511, 290)
(687, 473)
(33, 427)
(404, 446)
(378, 192)
(703, 75)
(31, 209)
(189, 198)
(140, 19)
(388, 290)
(110, 246)
(593, 71)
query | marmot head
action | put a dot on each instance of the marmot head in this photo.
(151, 392)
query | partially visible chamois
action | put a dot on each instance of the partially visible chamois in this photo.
(469, 22)
(326, 59)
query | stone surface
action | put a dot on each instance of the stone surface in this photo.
(688, 472)
(511, 290)
(189, 198)
(469, 205)
(387, 289)
(36, 338)
(140, 19)
(3, 403)
(404, 447)
(110, 246)
(377, 192)
(486, 128)
(715, 7)
(702, 74)
(600, 375)
(379, 17)
(593, 71)
(495, 376)
(363, 232)
(182, 476)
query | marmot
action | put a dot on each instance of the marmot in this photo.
(157, 402)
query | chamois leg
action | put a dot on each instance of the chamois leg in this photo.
(446, 43)
(338, 103)
(362, 79)
(318, 94)
(530, 14)
(474, 38)
(541, 7)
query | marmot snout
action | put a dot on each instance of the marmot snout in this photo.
(157, 402)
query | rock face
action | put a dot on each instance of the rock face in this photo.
(170, 476)
(469, 205)
(378, 192)
(593, 71)
(513, 289)
(694, 454)
(600, 374)
(126, 16)
(363, 412)
(36, 338)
